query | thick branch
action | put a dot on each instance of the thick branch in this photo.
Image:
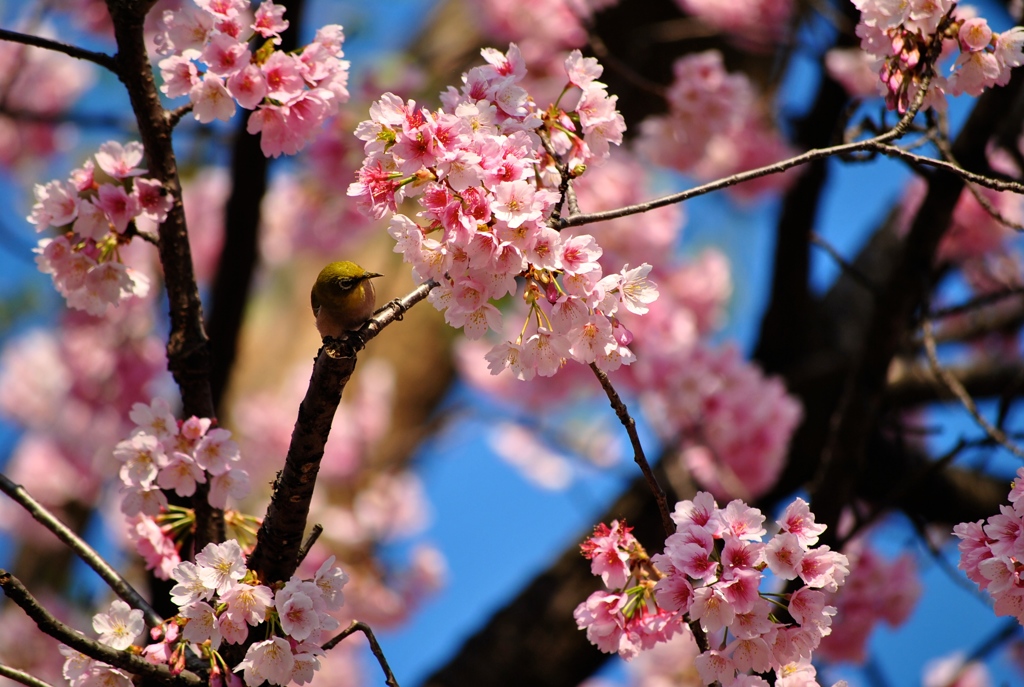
(893, 319)
(280, 537)
(784, 335)
(81, 548)
(135, 665)
(239, 257)
(1005, 317)
(914, 384)
(188, 351)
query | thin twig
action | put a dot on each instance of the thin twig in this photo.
(876, 144)
(314, 534)
(81, 548)
(22, 677)
(565, 190)
(976, 302)
(174, 116)
(992, 210)
(973, 177)
(954, 385)
(359, 626)
(102, 59)
(393, 311)
(638, 450)
(847, 267)
(136, 665)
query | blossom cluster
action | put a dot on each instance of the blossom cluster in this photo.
(487, 185)
(735, 423)
(165, 454)
(877, 591)
(40, 85)
(991, 553)
(544, 29)
(219, 600)
(753, 22)
(292, 93)
(714, 126)
(92, 212)
(901, 37)
(711, 573)
(118, 628)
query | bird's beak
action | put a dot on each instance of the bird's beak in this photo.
(371, 275)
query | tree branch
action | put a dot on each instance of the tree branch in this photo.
(638, 450)
(910, 384)
(892, 320)
(135, 665)
(188, 349)
(81, 548)
(102, 59)
(777, 168)
(972, 177)
(359, 626)
(958, 390)
(279, 539)
(240, 255)
(22, 677)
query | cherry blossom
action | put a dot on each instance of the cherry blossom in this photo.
(91, 219)
(990, 551)
(714, 126)
(478, 188)
(220, 599)
(268, 661)
(710, 573)
(221, 565)
(907, 39)
(206, 56)
(119, 627)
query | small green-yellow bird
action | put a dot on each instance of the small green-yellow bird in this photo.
(342, 298)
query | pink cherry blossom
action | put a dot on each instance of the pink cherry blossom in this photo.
(211, 99)
(121, 161)
(119, 206)
(609, 552)
(201, 625)
(179, 75)
(56, 205)
(221, 565)
(269, 21)
(119, 627)
(190, 587)
(157, 549)
(181, 474)
(975, 34)
(722, 592)
(268, 661)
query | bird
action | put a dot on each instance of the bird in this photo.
(342, 298)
